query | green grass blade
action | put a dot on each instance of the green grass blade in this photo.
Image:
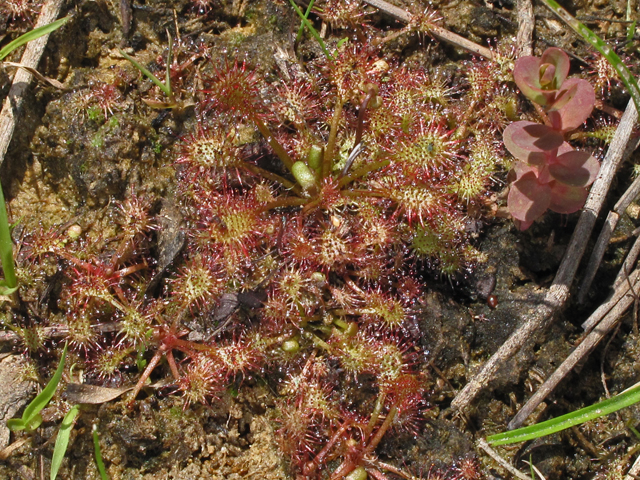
(169, 60)
(4, 290)
(6, 247)
(563, 422)
(306, 15)
(601, 46)
(45, 396)
(312, 30)
(32, 35)
(62, 441)
(147, 73)
(98, 453)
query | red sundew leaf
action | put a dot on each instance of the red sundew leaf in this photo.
(530, 141)
(528, 199)
(566, 199)
(573, 106)
(575, 169)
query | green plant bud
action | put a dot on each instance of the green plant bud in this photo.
(290, 346)
(74, 231)
(358, 474)
(351, 330)
(318, 278)
(303, 175)
(511, 109)
(375, 102)
(314, 156)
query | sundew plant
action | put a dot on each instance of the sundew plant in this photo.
(313, 202)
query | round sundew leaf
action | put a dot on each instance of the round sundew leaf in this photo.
(528, 199)
(576, 169)
(574, 105)
(530, 141)
(566, 199)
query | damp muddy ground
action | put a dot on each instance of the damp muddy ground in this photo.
(78, 151)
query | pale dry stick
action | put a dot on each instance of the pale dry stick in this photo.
(632, 256)
(438, 32)
(582, 350)
(30, 58)
(535, 469)
(557, 295)
(597, 316)
(597, 253)
(634, 471)
(605, 235)
(56, 332)
(526, 23)
(501, 461)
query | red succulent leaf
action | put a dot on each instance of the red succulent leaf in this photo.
(566, 199)
(540, 78)
(530, 141)
(528, 198)
(540, 171)
(574, 168)
(560, 60)
(573, 106)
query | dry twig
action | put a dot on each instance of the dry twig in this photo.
(438, 32)
(30, 59)
(501, 461)
(607, 230)
(526, 23)
(582, 350)
(558, 293)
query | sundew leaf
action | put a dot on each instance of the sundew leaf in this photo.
(62, 441)
(31, 416)
(32, 35)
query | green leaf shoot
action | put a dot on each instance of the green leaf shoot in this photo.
(32, 35)
(98, 453)
(31, 418)
(600, 409)
(10, 282)
(62, 441)
(165, 88)
(311, 29)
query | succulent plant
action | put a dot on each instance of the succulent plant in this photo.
(549, 173)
